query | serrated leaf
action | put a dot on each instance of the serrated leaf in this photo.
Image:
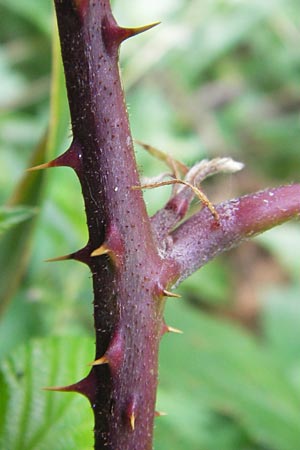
(33, 419)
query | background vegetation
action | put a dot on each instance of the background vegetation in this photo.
(218, 77)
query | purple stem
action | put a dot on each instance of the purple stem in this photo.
(131, 276)
(201, 238)
(128, 277)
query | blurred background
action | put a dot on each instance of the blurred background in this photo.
(216, 78)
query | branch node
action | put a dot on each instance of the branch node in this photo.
(202, 197)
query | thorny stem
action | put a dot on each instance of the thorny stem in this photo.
(134, 261)
(128, 287)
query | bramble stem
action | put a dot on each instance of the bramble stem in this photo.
(134, 262)
(128, 280)
(200, 239)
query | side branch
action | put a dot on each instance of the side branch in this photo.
(176, 208)
(201, 238)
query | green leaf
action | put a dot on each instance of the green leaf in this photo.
(223, 367)
(36, 13)
(31, 418)
(193, 425)
(284, 243)
(16, 243)
(15, 248)
(12, 216)
(199, 286)
(281, 328)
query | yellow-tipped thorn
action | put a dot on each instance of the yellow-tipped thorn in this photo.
(57, 388)
(59, 258)
(160, 413)
(98, 362)
(174, 330)
(102, 250)
(132, 421)
(138, 30)
(171, 294)
(40, 167)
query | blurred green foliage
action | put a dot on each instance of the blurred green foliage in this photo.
(218, 77)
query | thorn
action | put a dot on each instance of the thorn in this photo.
(69, 388)
(114, 353)
(82, 255)
(126, 33)
(99, 362)
(171, 294)
(71, 158)
(132, 421)
(131, 412)
(40, 166)
(102, 250)
(86, 387)
(160, 413)
(173, 330)
(167, 329)
(113, 35)
(59, 258)
(112, 246)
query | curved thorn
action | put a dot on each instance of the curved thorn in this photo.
(132, 421)
(171, 294)
(131, 412)
(99, 362)
(102, 250)
(130, 32)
